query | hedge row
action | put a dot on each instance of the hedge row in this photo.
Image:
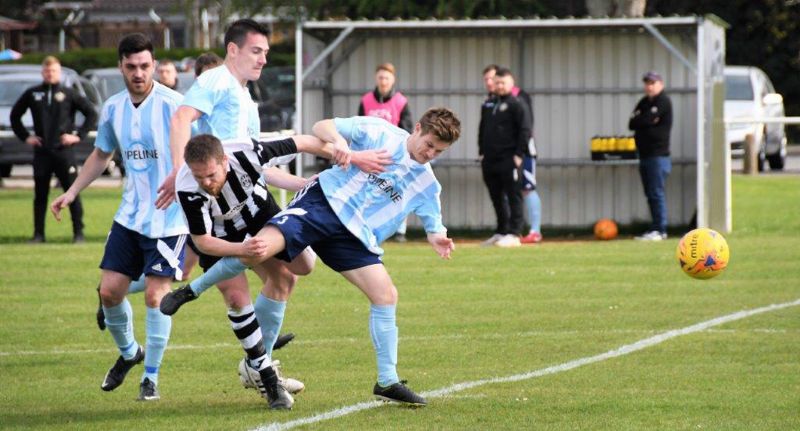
(92, 58)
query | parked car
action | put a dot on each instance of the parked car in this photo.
(749, 93)
(69, 77)
(274, 95)
(109, 82)
(14, 80)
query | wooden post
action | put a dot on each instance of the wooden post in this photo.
(750, 155)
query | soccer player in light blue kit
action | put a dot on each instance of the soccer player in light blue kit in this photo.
(347, 214)
(142, 239)
(219, 104)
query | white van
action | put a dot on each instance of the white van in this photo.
(749, 93)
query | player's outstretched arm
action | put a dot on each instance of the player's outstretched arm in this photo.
(326, 130)
(370, 161)
(283, 180)
(180, 131)
(94, 165)
(252, 247)
(443, 245)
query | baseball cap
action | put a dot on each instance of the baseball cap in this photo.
(652, 76)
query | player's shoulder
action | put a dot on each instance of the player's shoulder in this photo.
(184, 180)
(375, 127)
(166, 95)
(116, 98)
(114, 101)
(218, 78)
(231, 146)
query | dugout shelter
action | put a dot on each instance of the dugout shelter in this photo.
(584, 76)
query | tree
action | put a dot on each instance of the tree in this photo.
(765, 34)
(616, 8)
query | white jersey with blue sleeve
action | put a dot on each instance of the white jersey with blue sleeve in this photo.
(228, 110)
(372, 206)
(141, 135)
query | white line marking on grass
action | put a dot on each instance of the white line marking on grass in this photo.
(621, 351)
(340, 340)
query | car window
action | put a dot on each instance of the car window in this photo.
(91, 92)
(110, 85)
(738, 88)
(10, 91)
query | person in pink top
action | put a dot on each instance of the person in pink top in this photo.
(387, 103)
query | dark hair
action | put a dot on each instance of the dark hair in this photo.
(133, 43)
(167, 62)
(503, 71)
(442, 123)
(490, 68)
(203, 148)
(204, 61)
(237, 32)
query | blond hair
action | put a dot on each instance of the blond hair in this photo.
(50, 60)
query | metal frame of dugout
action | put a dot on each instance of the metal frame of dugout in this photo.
(584, 76)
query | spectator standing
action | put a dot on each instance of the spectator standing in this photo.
(168, 74)
(533, 204)
(651, 123)
(206, 60)
(53, 107)
(391, 105)
(503, 135)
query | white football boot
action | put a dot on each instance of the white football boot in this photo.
(250, 378)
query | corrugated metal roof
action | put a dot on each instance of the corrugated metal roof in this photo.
(535, 22)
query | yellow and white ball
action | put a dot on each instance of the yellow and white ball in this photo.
(703, 253)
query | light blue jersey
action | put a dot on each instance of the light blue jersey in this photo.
(141, 135)
(228, 110)
(372, 206)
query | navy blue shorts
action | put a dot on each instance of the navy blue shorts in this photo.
(529, 173)
(310, 221)
(131, 253)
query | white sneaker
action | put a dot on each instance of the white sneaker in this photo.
(250, 378)
(492, 240)
(508, 240)
(653, 235)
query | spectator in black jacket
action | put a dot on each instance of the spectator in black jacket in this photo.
(53, 109)
(503, 136)
(651, 122)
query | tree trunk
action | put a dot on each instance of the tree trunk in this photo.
(616, 8)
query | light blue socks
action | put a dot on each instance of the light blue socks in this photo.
(383, 330)
(137, 286)
(534, 206)
(158, 327)
(225, 268)
(119, 321)
(270, 316)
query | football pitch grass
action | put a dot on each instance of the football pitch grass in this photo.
(523, 338)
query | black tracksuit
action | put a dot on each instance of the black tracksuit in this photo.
(651, 122)
(504, 131)
(53, 109)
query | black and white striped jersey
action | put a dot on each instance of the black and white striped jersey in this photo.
(244, 203)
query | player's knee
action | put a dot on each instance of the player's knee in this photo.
(387, 296)
(153, 295)
(236, 298)
(303, 266)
